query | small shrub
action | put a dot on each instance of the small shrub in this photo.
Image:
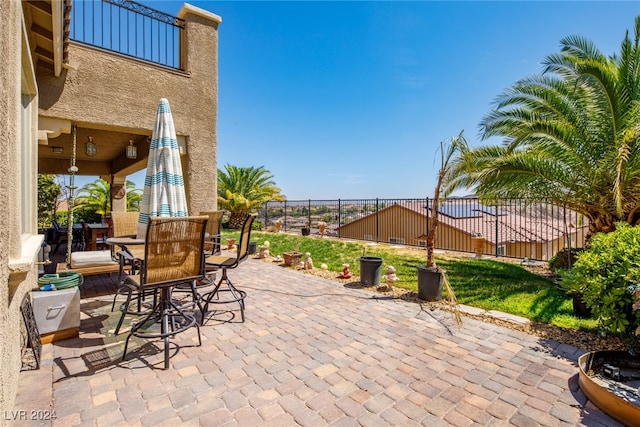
(62, 217)
(564, 259)
(606, 275)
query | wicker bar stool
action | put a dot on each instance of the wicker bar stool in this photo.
(173, 255)
(233, 294)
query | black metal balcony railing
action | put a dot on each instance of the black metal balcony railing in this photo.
(511, 228)
(128, 28)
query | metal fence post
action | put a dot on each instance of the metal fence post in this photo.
(339, 219)
(497, 231)
(377, 222)
(285, 215)
(266, 214)
(427, 215)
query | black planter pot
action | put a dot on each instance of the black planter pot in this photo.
(430, 283)
(579, 307)
(252, 248)
(306, 231)
(370, 270)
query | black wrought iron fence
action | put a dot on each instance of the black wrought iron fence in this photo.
(128, 28)
(510, 228)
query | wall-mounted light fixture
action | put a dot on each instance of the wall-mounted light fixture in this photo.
(57, 150)
(132, 150)
(90, 147)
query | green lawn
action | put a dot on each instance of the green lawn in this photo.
(482, 283)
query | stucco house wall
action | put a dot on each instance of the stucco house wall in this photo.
(18, 192)
(399, 222)
(101, 90)
(392, 222)
(544, 251)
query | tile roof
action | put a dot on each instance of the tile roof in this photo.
(517, 222)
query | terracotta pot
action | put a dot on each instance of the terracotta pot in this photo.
(292, 258)
(478, 245)
(611, 404)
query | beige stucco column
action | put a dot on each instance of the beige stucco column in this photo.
(200, 162)
(118, 194)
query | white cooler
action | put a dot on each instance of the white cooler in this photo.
(57, 313)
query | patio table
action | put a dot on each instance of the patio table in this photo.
(97, 228)
(124, 243)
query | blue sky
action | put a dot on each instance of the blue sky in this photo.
(351, 99)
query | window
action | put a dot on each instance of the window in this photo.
(25, 166)
(28, 89)
(396, 240)
(368, 237)
(501, 250)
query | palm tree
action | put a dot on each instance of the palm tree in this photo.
(571, 136)
(448, 153)
(96, 197)
(134, 197)
(241, 190)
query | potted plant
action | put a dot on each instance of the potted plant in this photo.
(306, 230)
(477, 243)
(574, 287)
(370, 269)
(431, 278)
(292, 258)
(560, 264)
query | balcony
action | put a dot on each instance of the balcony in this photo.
(128, 28)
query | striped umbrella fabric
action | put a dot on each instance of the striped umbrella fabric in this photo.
(163, 185)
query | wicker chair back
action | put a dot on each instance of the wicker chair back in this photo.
(125, 223)
(174, 250)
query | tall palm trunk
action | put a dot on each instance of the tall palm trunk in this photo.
(448, 152)
(602, 223)
(236, 220)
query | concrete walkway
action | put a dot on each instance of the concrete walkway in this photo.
(312, 352)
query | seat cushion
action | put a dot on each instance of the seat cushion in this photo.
(220, 260)
(91, 259)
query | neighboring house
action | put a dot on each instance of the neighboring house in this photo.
(53, 85)
(515, 230)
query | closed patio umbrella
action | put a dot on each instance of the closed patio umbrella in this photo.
(163, 185)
